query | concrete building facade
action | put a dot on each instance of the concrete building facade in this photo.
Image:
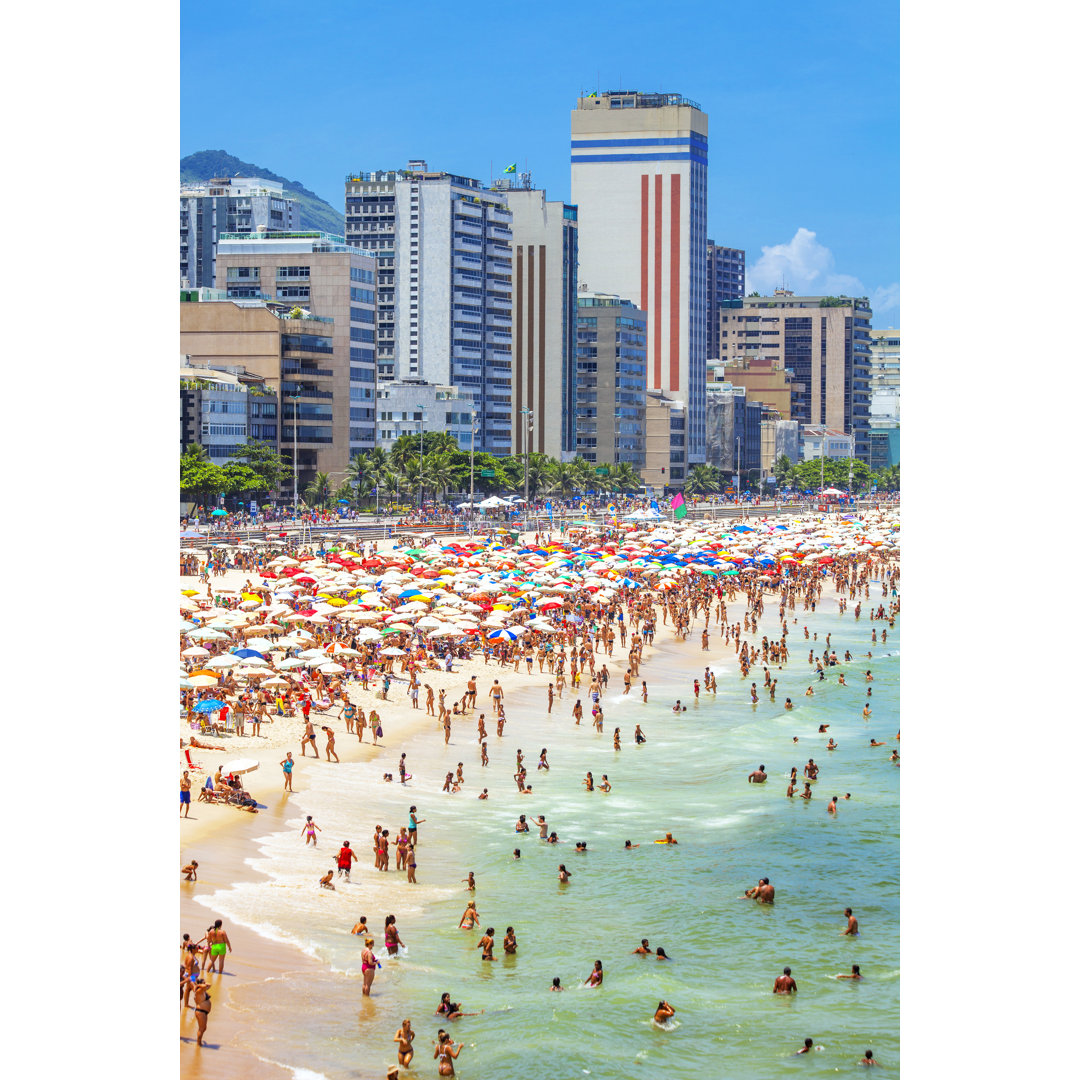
(544, 278)
(764, 380)
(321, 275)
(665, 442)
(442, 244)
(824, 344)
(884, 398)
(239, 204)
(817, 442)
(611, 357)
(222, 407)
(639, 177)
(287, 357)
(725, 279)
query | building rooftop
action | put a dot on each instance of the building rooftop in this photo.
(633, 99)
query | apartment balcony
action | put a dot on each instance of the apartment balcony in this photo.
(500, 320)
(468, 282)
(469, 335)
(468, 262)
(467, 209)
(498, 337)
(467, 228)
(499, 232)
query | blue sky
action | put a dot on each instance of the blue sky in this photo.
(803, 103)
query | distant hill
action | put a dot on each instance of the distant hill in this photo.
(312, 212)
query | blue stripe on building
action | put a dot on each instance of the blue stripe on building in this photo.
(691, 156)
(693, 139)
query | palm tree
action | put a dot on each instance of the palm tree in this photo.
(440, 471)
(319, 491)
(625, 477)
(584, 474)
(703, 480)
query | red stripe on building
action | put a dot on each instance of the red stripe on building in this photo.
(673, 285)
(658, 236)
(644, 242)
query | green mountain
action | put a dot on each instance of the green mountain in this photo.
(312, 212)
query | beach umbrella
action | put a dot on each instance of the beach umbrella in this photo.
(253, 661)
(218, 513)
(394, 652)
(200, 681)
(196, 650)
(240, 765)
(277, 680)
(504, 634)
(226, 661)
(209, 706)
(330, 668)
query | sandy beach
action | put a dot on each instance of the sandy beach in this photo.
(225, 839)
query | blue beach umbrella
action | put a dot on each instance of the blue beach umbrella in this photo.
(503, 635)
(209, 706)
(247, 652)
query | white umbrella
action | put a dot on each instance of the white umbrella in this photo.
(196, 650)
(240, 765)
(330, 668)
(253, 661)
(226, 661)
(393, 652)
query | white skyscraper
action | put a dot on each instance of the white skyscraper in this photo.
(638, 169)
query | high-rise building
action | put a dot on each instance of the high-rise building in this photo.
(240, 204)
(884, 398)
(442, 245)
(725, 275)
(822, 341)
(328, 281)
(610, 378)
(638, 168)
(263, 348)
(545, 253)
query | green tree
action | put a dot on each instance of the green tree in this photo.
(267, 462)
(202, 479)
(320, 491)
(240, 479)
(703, 480)
(783, 470)
(625, 478)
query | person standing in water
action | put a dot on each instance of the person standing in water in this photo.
(368, 964)
(308, 831)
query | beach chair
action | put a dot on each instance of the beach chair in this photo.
(194, 766)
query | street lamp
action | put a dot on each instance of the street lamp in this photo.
(527, 415)
(738, 457)
(472, 459)
(294, 398)
(422, 408)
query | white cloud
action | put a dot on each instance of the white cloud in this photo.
(806, 266)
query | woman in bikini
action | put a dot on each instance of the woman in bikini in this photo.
(368, 964)
(402, 845)
(393, 939)
(202, 1008)
(411, 856)
(470, 917)
(446, 1054)
(404, 1039)
(596, 976)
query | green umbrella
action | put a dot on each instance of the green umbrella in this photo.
(728, 573)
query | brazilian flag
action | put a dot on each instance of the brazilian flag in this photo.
(511, 168)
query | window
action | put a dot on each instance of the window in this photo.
(286, 272)
(357, 333)
(293, 292)
(361, 315)
(365, 277)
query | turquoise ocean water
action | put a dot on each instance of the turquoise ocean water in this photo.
(689, 778)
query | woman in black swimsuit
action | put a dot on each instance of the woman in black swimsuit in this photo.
(202, 1008)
